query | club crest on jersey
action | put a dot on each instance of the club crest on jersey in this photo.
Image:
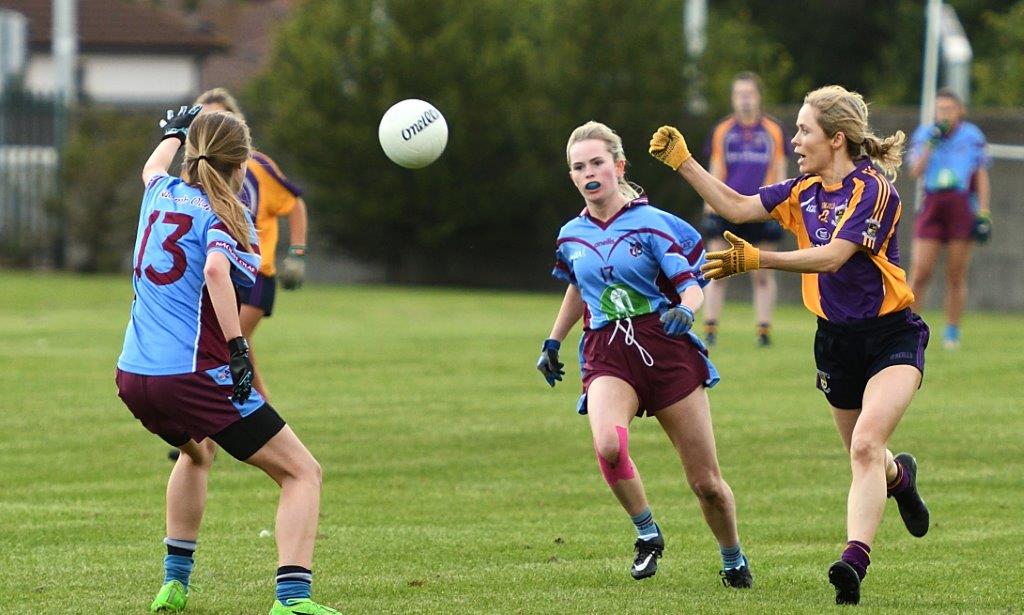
(635, 248)
(621, 301)
(872, 228)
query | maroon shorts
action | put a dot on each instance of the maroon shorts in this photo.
(946, 216)
(171, 407)
(678, 366)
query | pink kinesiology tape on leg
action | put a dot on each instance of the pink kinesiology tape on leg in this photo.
(623, 468)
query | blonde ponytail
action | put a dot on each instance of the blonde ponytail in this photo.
(218, 145)
(887, 152)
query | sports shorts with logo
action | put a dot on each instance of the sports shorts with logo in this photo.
(848, 355)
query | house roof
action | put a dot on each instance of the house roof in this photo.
(119, 26)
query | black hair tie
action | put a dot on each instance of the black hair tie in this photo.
(203, 158)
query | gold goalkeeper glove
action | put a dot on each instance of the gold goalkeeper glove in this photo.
(740, 257)
(669, 146)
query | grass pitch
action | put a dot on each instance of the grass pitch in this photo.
(456, 481)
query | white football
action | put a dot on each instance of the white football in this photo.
(413, 133)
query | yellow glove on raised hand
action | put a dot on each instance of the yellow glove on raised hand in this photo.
(740, 257)
(669, 146)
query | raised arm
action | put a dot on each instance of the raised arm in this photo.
(175, 127)
(668, 146)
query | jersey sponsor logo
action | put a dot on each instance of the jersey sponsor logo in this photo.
(840, 212)
(823, 234)
(809, 206)
(195, 201)
(575, 255)
(621, 301)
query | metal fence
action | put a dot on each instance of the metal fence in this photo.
(29, 168)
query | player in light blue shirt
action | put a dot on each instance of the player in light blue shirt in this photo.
(950, 156)
(633, 277)
(184, 370)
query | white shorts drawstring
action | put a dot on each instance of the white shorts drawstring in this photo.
(630, 338)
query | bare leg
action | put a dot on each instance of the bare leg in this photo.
(612, 403)
(285, 459)
(765, 289)
(186, 489)
(688, 425)
(249, 317)
(886, 398)
(958, 260)
(922, 266)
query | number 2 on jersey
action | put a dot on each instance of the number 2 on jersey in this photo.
(183, 222)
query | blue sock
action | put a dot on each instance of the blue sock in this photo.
(646, 528)
(732, 557)
(953, 332)
(293, 582)
(178, 561)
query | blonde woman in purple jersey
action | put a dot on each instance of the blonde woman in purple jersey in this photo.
(869, 347)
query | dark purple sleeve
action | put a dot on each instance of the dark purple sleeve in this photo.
(774, 195)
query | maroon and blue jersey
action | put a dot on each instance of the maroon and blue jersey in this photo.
(747, 153)
(173, 328)
(954, 160)
(635, 263)
(863, 208)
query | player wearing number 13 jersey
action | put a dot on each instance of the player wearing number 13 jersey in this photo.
(173, 328)
(184, 371)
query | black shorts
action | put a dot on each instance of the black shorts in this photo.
(848, 355)
(243, 438)
(713, 226)
(259, 295)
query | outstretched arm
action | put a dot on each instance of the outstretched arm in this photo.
(669, 146)
(741, 257)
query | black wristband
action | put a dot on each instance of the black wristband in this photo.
(174, 135)
(238, 346)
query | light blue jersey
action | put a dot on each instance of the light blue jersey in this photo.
(954, 160)
(636, 263)
(173, 327)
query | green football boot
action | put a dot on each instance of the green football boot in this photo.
(301, 606)
(171, 599)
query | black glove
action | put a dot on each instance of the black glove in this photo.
(938, 132)
(176, 125)
(241, 370)
(548, 364)
(982, 227)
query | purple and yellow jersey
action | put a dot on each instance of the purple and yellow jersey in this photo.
(173, 328)
(954, 160)
(268, 194)
(635, 263)
(865, 209)
(748, 153)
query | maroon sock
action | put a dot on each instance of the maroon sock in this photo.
(857, 555)
(901, 482)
